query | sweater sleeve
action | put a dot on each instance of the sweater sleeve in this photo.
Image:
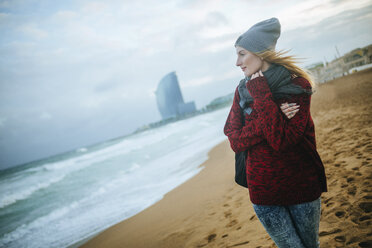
(241, 137)
(279, 131)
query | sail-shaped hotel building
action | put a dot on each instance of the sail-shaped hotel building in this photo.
(169, 98)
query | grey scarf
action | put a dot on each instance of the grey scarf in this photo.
(279, 80)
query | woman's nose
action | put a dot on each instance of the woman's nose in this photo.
(237, 62)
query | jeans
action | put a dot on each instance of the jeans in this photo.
(293, 226)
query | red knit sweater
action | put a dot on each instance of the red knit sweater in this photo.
(283, 166)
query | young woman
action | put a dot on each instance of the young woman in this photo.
(285, 174)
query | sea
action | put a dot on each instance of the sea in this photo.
(65, 199)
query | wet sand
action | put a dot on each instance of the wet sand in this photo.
(210, 210)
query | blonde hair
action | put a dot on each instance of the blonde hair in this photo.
(289, 62)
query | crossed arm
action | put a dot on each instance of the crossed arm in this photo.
(267, 122)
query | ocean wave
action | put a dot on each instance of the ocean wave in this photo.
(109, 183)
(83, 149)
(8, 199)
(28, 229)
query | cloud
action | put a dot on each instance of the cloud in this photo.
(216, 18)
(218, 76)
(45, 116)
(95, 7)
(346, 30)
(198, 81)
(216, 46)
(4, 17)
(2, 121)
(4, 4)
(96, 64)
(307, 13)
(65, 16)
(33, 31)
(107, 86)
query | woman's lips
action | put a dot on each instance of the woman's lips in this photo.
(243, 69)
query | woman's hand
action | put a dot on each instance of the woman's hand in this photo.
(257, 74)
(289, 109)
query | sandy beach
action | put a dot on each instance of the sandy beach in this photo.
(211, 210)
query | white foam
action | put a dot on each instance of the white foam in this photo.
(22, 187)
(10, 198)
(83, 149)
(118, 181)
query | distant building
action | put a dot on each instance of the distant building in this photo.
(343, 65)
(358, 57)
(169, 98)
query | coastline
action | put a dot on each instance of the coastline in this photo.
(175, 219)
(211, 210)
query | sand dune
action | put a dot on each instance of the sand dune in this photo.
(210, 210)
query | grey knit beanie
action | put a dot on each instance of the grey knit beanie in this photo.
(261, 36)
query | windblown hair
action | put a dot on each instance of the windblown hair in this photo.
(289, 62)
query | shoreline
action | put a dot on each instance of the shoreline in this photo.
(203, 165)
(85, 240)
(186, 205)
(211, 210)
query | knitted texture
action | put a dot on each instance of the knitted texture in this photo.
(280, 171)
(279, 80)
(261, 36)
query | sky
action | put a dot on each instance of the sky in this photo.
(74, 73)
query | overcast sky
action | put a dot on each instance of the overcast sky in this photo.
(73, 73)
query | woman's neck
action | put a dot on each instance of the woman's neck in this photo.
(265, 66)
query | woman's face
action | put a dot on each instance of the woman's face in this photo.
(248, 61)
